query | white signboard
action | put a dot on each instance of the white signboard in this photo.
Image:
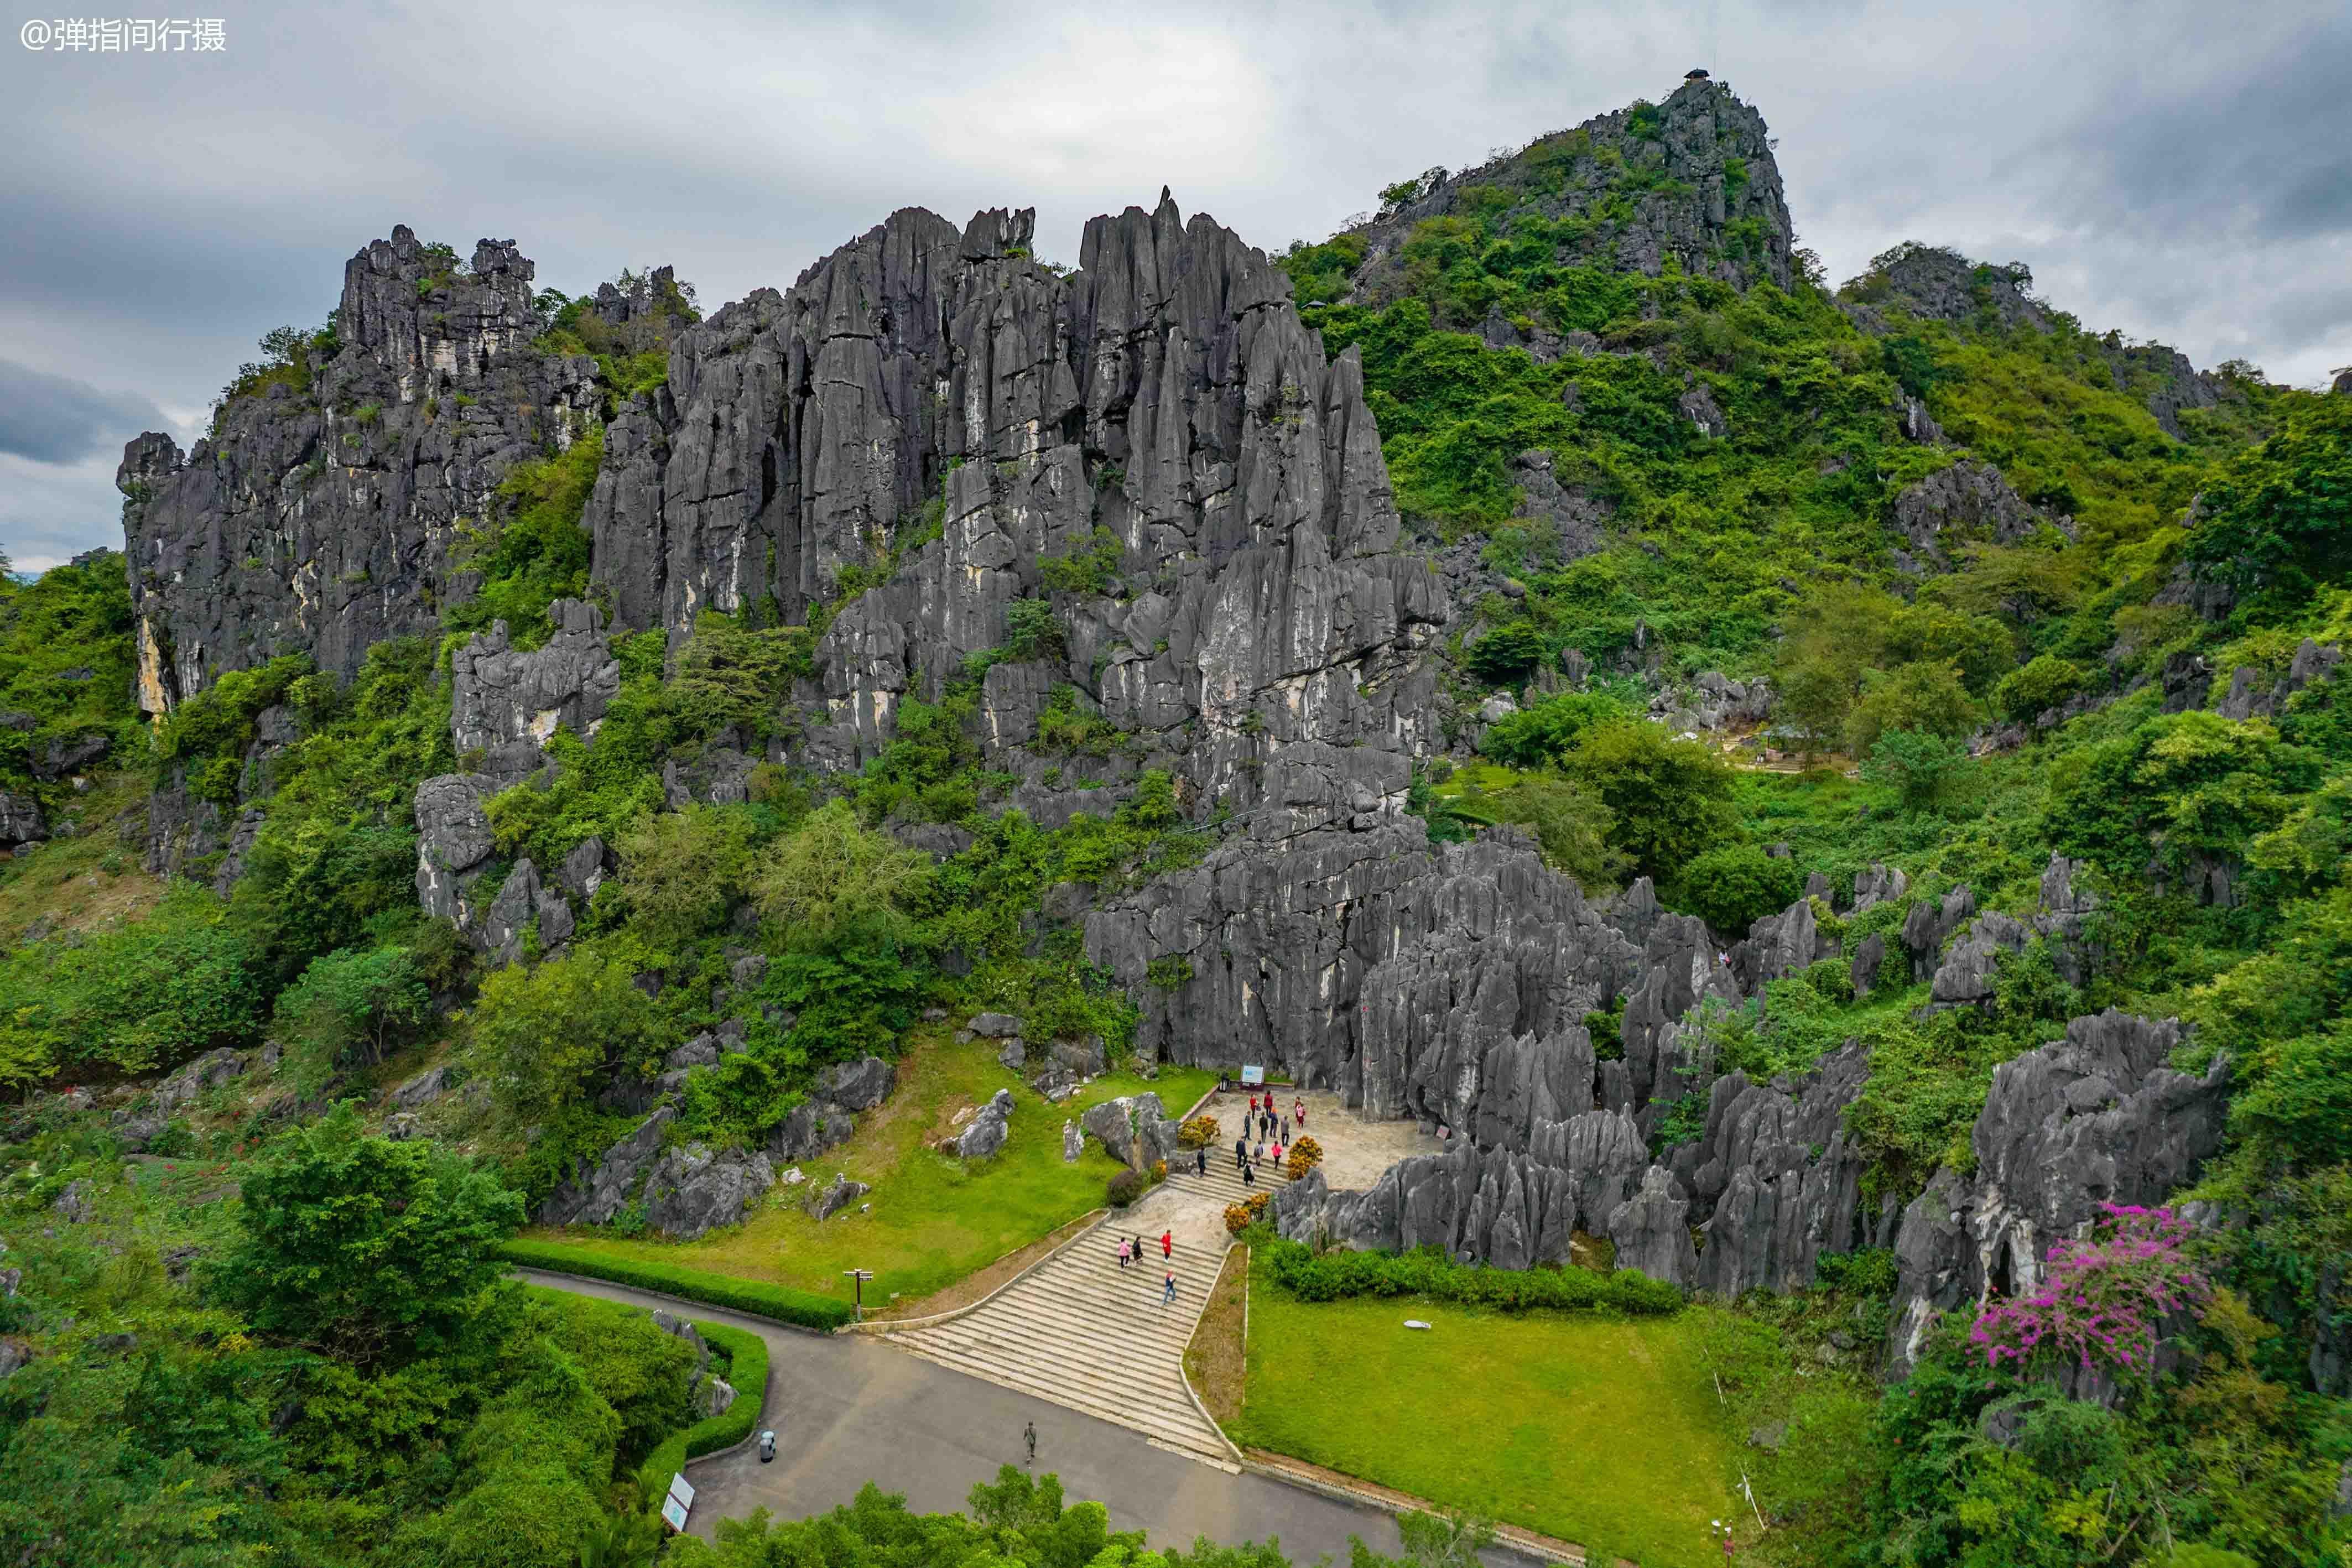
(1253, 1074)
(682, 1489)
(674, 1512)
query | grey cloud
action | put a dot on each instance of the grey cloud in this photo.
(56, 419)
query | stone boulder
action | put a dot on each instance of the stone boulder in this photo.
(1929, 925)
(20, 821)
(693, 1189)
(1869, 959)
(987, 1130)
(422, 1089)
(453, 843)
(859, 1086)
(1881, 883)
(1967, 977)
(2067, 901)
(1128, 1129)
(593, 1194)
(995, 1026)
(1074, 1143)
(137, 1129)
(836, 1196)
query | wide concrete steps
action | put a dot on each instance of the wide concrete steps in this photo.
(1083, 1332)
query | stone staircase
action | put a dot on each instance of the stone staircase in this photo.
(1081, 1332)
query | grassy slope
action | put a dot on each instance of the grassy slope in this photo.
(1599, 1430)
(85, 882)
(934, 1219)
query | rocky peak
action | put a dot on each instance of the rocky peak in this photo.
(1692, 179)
(435, 325)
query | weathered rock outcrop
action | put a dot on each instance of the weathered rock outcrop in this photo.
(1968, 500)
(1778, 1177)
(1511, 1208)
(827, 1117)
(506, 703)
(2094, 1118)
(139, 1127)
(593, 1194)
(694, 1188)
(321, 516)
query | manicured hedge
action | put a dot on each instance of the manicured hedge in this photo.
(750, 1376)
(1327, 1275)
(751, 1296)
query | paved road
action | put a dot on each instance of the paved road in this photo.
(849, 1410)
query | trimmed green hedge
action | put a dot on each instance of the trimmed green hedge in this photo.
(748, 1373)
(751, 1296)
(1327, 1275)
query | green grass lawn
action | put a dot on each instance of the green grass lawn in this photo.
(1599, 1430)
(934, 1219)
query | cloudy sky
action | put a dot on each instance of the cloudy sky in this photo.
(2179, 170)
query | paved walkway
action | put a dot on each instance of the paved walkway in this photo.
(849, 1411)
(1088, 1333)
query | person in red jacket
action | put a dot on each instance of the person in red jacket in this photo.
(1168, 1244)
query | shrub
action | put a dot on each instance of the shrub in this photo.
(2039, 686)
(1237, 1219)
(1031, 629)
(2102, 1300)
(1508, 655)
(1921, 766)
(1124, 1188)
(1330, 1276)
(1305, 1155)
(1199, 1132)
(1158, 1172)
(753, 1297)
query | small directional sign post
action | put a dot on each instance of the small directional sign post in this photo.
(857, 1283)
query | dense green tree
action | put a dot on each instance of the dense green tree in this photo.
(351, 1007)
(1547, 731)
(1921, 766)
(1733, 886)
(363, 1248)
(681, 871)
(2278, 517)
(833, 879)
(1670, 798)
(1924, 698)
(1572, 824)
(527, 1036)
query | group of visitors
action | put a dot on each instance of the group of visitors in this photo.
(1132, 1251)
(1269, 1126)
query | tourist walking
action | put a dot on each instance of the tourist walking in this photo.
(1299, 1110)
(1168, 1290)
(1249, 1176)
(1168, 1243)
(1200, 1159)
(1122, 1252)
(1285, 1129)
(1139, 1249)
(1241, 1151)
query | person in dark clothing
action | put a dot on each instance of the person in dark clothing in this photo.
(1202, 1155)
(1241, 1153)
(1249, 1174)
(1030, 1432)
